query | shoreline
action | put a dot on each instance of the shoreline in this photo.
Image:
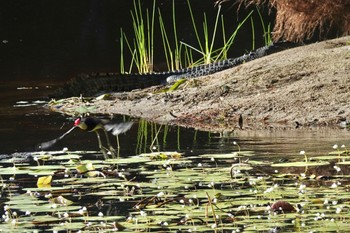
(303, 87)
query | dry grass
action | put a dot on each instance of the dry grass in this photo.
(298, 20)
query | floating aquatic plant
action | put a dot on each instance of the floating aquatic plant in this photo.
(169, 191)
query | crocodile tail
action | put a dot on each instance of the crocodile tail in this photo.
(92, 85)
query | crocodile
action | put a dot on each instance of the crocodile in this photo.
(94, 84)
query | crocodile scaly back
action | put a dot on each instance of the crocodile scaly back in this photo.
(95, 84)
(92, 85)
(214, 67)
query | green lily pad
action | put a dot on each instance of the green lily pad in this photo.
(300, 164)
(341, 152)
(14, 170)
(169, 162)
(135, 159)
(343, 163)
(330, 157)
(228, 155)
(66, 157)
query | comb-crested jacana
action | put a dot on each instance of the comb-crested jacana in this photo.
(91, 124)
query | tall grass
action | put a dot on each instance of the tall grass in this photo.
(179, 54)
(206, 49)
(206, 45)
(142, 45)
(266, 30)
(172, 56)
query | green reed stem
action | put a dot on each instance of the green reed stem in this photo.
(253, 32)
(267, 32)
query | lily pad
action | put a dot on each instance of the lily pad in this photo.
(134, 159)
(228, 155)
(169, 162)
(14, 171)
(300, 164)
(330, 157)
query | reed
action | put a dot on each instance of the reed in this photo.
(172, 55)
(266, 28)
(179, 54)
(206, 48)
(142, 46)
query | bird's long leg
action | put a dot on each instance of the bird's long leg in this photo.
(102, 148)
(110, 147)
(117, 129)
(118, 145)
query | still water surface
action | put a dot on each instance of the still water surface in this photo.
(42, 44)
(42, 49)
(25, 122)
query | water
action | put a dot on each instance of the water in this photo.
(39, 51)
(25, 122)
(43, 44)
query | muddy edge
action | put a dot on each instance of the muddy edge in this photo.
(305, 87)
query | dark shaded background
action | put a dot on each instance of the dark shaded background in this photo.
(57, 39)
(43, 43)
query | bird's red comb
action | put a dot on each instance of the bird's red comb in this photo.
(77, 121)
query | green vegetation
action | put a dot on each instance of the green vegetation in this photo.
(179, 54)
(169, 191)
(141, 48)
(206, 49)
(266, 30)
(172, 56)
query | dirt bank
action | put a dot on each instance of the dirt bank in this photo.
(309, 85)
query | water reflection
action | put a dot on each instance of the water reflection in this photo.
(24, 123)
(59, 40)
(27, 126)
